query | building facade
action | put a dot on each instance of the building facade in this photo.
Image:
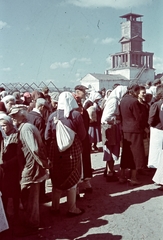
(129, 64)
(132, 62)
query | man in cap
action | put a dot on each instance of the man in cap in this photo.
(80, 92)
(45, 91)
(34, 168)
(54, 102)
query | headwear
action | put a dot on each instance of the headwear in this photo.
(118, 92)
(94, 96)
(16, 108)
(16, 95)
(149, 82)
(111, 109)
(106, 93)
(156, 82)
(54, 96)
(45, 89)
(67, 103)
(8, 98)
(27, 95)
(6, 118)
(3, 94)
(81, 88)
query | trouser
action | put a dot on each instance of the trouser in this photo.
(30, 201)
(71, 198)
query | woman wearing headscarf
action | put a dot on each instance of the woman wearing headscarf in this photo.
(9, 164)
(107, 94)
(111, 130)
(94, 111)
(133, 156)
(66, 166)
(158, 177)
(9, 101)
(3, 94)
(155, 129)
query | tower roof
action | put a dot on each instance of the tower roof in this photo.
(132, 15)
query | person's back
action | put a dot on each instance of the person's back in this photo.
(130, 113)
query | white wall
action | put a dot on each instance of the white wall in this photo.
(130, 73)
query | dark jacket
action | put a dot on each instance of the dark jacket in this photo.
(131, 114)
(37, 120)
(154, 120)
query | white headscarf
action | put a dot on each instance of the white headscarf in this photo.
(6, 118)
(67, 103)
(106, 94)
(3, 94)
(118, 93)
(111, 109)
(8, 98)
(92, 97)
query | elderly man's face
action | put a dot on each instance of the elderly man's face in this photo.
(5, 126)
(17, 119)
(80, 94)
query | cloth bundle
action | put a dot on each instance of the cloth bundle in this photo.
(64, 135)
(3, 220)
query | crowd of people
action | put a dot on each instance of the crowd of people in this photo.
(127, 119)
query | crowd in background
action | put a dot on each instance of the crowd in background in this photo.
(128, 120)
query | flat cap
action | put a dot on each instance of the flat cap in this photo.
(16, 108)
(80, 87)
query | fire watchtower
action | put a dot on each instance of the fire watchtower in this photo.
(132, 62)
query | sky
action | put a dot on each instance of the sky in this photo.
(63, 40)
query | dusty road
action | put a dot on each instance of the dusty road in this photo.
(113, 211)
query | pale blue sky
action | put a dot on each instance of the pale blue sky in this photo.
(63, 40)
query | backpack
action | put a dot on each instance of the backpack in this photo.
(64, 135)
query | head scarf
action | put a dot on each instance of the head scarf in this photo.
(111, 109)
(94, 96)
(8, 98)
(16, 95)
(106, 94)
(3, 94)
(118, 93)
(6, 118)
(67, 103)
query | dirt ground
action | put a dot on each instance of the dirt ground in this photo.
(113, 211)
